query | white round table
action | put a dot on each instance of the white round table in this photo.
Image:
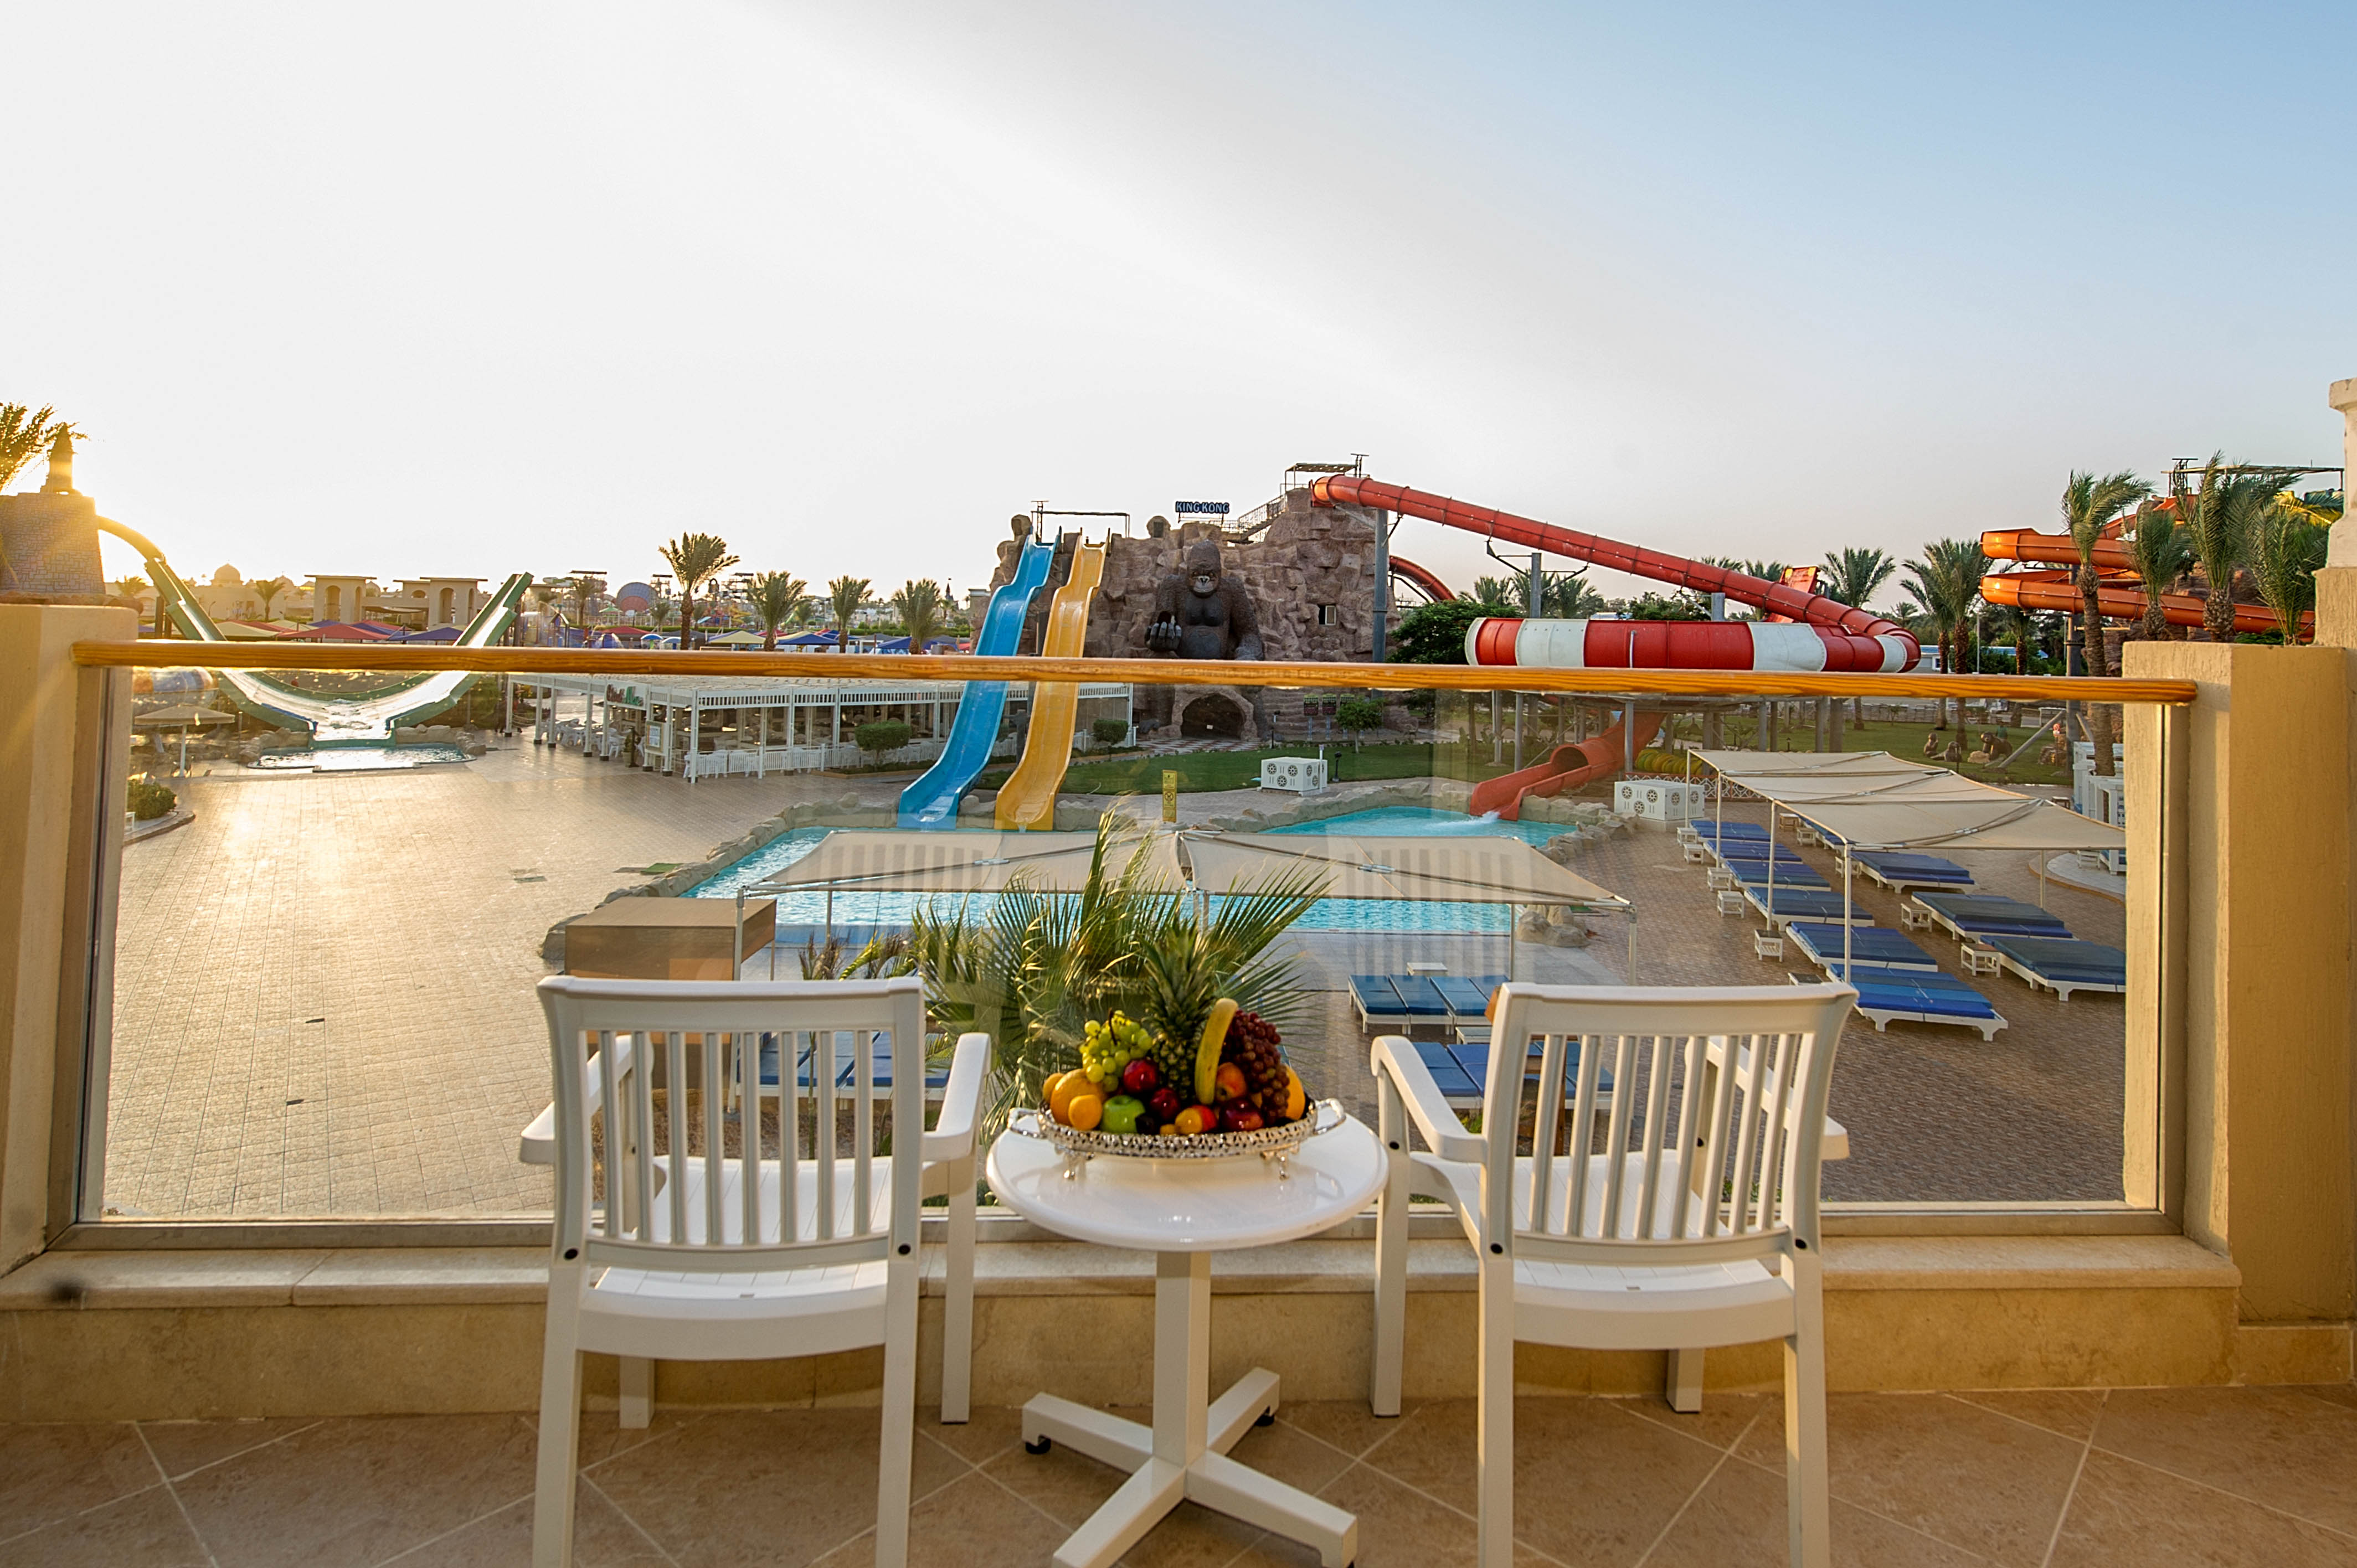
(1183, 1211)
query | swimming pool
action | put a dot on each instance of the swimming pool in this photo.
(360, 759)
(804, 906)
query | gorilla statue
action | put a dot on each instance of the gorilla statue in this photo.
(1203, 613)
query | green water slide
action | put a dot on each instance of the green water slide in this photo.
(365, 716)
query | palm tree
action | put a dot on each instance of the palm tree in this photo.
(1947, 583)
(24, 433)
(266, 590)
(777, 600)
(2009, 624)
(2090, 505)
(695, 559)
(2159, 549)
(1854, 576)
(844, 596)
(919, 602)
(2286, 550)
(1502, 593)
(2219, 516)
(1569, 596)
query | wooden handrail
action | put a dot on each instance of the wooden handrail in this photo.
(633, 664)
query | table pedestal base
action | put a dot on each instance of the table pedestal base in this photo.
(1184, 1454)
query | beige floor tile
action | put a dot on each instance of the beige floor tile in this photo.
(357, 1491)
(1719, 1423)
(1967, 1476)
(783, 1487)
(50, 1472)
(1291, 1457)
(2071, 1412)
(1193, 1537)
(2126, 1515)
(1398, 1528)
(1065, 1485)
(184, 1445)
(1592, 1482)
(1738, 1517)
(1346, 1425)
(2277, 1446)
(603, 1435)
(143, 1530)
(970, 1524)
(602, 1538)
(2336, 1393)
(989, 1431)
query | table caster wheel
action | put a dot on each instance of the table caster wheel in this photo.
(1265, 1418)
(1042, 1446)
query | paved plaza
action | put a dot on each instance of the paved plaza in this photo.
(324, 993)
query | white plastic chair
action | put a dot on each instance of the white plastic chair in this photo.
(1664, 1239)
(803, 1249)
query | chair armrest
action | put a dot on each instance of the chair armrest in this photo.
(1394, 1058)
(1836, 1136)
(952, 1135)
(536, 1145)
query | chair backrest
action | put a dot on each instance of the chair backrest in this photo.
(1666, 1124)
(803, 1195)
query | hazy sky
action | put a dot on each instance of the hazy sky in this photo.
(486, 287)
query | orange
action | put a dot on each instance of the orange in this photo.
(1065, 1087)
(1084, 1110)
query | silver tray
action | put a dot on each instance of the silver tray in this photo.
(1269, 1142)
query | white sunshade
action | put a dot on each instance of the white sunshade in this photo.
(1472, 869)
(862, 859)
(1871, 800)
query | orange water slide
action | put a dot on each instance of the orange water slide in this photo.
(1566, 767)
(1423, 577)
(2119, 594)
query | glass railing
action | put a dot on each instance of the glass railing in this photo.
(322, 979)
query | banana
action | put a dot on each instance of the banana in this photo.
(1207, 1054)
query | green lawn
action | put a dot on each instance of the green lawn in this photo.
(1140, 774)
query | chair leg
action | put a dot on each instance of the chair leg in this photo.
(899, 1434)
(638, 1378)
(560, 1426)
(1494, 1460)
(1684, 1382)
(1808, 1508)
(957, 1300)
(1391, 1256)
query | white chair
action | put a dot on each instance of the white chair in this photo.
(951, 1170)
(1707, 1175)
(804, 1244)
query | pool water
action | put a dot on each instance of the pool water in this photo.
(358, 758)
(807, 907)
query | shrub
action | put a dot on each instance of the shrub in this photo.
(1668, 606)
(881, 738)
(1435, 633)
(149, 800)
(1110, 732)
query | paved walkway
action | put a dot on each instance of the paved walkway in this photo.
(2057, 1479)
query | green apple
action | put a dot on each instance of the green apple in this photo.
(1121, 1114)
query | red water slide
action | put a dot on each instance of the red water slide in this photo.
(1855, 639)
(1566, 768)
(1428, 581)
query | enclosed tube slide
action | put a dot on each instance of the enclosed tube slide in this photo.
(1566, 768)
(1867, 641)
(1427, 580)
(2120, 596)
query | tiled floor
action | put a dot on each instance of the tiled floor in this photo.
(2135, 1477)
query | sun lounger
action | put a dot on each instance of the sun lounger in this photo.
(1819, 903)
(1754, 873)
(1980, 916)
(1705, 827)
(1870, 949)
(1915, 998)
(1467, 997)
(1462, 1070)
(805, 1060)
(1900, 872)
(2062, 965)
(1404, 1000)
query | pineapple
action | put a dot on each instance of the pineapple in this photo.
(1178, 985)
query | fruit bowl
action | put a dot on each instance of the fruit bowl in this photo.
(1269, 1142)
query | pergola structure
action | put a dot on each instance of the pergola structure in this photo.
(804, 724)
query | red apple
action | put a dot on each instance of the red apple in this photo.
(1240, 1118)
(1230, 1083)
(1165, 1105)
(1140, 1078)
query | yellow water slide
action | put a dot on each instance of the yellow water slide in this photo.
(1028, 800)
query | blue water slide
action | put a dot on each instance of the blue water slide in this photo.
(932, 801)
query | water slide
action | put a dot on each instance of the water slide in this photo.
(2119, 593)
(1428, 581)
(1028, 800)
(364, 720)
(1818, 633)
(932, 801)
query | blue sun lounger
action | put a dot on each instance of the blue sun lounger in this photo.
(1899, 872)
(1706, 828)
(2062, 965)
(937, 1078)
(1467, 997)
(1463, 1071)
(1911, 997)
(1404, 1000)
(1873, 948)
(1818, 903)
(1754, 873)
(1978, 916)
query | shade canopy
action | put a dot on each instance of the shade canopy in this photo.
(1871, 800)
(860, 860)
(1470, 869)
(734, 639)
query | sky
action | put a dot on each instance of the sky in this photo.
(486, 287)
